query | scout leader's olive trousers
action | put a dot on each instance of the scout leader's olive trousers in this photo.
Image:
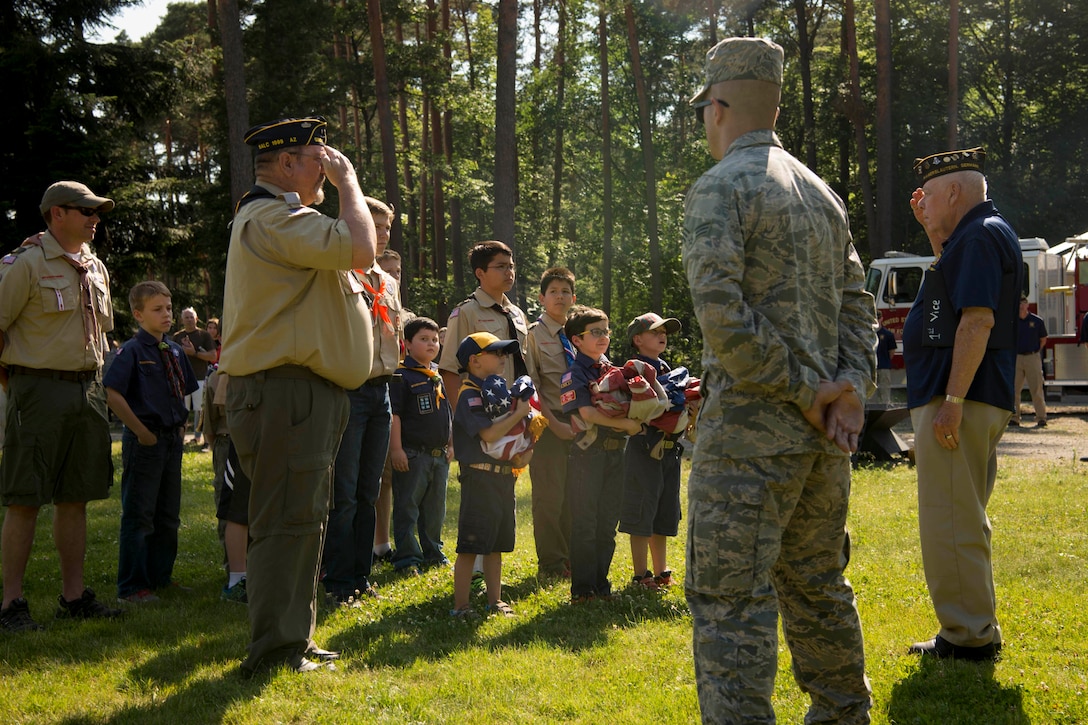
(286, 424)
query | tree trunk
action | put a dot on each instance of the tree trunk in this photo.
(234, 92)
(505, 124)
(880, 239)
(804, 43)
(557, 163)
(437, 157)
(953, 73)
(385, 116)
(606, 167)
(646, 138)
(857, 116)
(457, 251)
(407, 267)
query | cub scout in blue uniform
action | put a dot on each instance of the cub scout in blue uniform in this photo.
(146, 387)
(485, 524)
(420, 449)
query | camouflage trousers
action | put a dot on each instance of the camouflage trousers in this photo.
(768, 535)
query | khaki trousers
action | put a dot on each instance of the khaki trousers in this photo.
(953, 490)
(1029, 367)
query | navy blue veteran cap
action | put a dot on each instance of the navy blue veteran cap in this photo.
(948, 162)
(285, 132)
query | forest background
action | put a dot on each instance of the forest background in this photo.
(561, 127)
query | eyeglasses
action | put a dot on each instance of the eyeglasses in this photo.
(503, 267)
(315, 157)
(700, 108)
(597, 332)
(84, 210)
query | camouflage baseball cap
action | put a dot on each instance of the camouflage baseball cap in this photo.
(742, 59)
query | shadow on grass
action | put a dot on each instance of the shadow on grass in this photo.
(948, 691)
(401, 634)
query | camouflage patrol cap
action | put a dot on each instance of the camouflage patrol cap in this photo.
(285, 132)
(948, 162)
(742, 59)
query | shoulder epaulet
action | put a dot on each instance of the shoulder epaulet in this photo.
(28, 243)
(465, 301)
(257, 192)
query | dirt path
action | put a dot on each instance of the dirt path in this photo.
(1064, 438)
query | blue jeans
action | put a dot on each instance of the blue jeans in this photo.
(419, 503)
(595, 491)
(357, 478)
(150, 511)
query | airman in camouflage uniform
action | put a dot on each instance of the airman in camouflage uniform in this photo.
(788, 356)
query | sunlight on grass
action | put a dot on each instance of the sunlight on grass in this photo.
(628, 660)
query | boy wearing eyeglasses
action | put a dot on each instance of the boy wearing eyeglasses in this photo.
(595, 465)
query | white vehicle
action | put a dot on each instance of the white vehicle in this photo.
(1055, 282)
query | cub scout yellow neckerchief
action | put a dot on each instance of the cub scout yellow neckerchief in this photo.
(435, 377)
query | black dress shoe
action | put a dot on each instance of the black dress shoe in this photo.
(942, 649)
(325, 655)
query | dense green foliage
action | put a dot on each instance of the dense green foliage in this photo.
(146, 122)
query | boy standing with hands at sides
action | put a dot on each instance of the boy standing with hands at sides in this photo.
(651, 486)
(549, 354)
(420, 449)
(595, 469)
(485, 524)
(146, 388)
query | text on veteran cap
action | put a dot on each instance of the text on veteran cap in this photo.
(949, 162)
(73, 193)
(287, 132)
(742, 59)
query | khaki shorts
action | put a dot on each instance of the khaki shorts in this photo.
(57, 447)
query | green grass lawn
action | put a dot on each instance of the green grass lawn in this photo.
(628, 660)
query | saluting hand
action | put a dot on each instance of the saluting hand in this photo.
(337, 166)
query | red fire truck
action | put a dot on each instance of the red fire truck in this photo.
(1055, 281)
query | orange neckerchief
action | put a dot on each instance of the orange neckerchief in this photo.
(435, 377)
(380, 310)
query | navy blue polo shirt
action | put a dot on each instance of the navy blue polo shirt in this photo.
(885, 344)
(138, 374)
(1029, 332)
(424, 419)
(469, 419)
(981, 249)
(574, 387)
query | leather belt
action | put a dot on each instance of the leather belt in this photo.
(492, 468)
(71, 376)
(292, 372)
(433, 452)
(379, 381)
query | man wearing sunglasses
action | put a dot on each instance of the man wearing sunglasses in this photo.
(789, 353)
(55, 309)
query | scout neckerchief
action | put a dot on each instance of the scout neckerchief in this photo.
(568, 349)
(435, 377)
(174, 376)
(380, 310)
(519, 361)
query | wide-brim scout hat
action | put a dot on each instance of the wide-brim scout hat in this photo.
(73, 193)
(287, 132)
(479, 342)
(741, 59)
(949, 162)
(652, 321)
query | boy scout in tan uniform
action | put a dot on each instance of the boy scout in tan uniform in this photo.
(360, 460)
(55, 309)
(297, 327)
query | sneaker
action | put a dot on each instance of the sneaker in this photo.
(465, 613)
(144, 596)
(646, 581)
(16, 618)
(1014, 424)
(236, 593)
(86, 607)
(386, 556)
(500, 607)
(1041, 424)
(478, 584)
(664, 579)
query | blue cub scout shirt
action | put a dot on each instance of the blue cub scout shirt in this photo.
(425, 420)
(138, 374)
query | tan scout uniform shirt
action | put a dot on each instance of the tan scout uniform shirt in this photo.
(40, 309)
(546, 361)
(477, 314)
(387, 338)
(291, 297)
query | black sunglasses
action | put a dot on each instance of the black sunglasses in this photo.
(85, 211)
(700, 108)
